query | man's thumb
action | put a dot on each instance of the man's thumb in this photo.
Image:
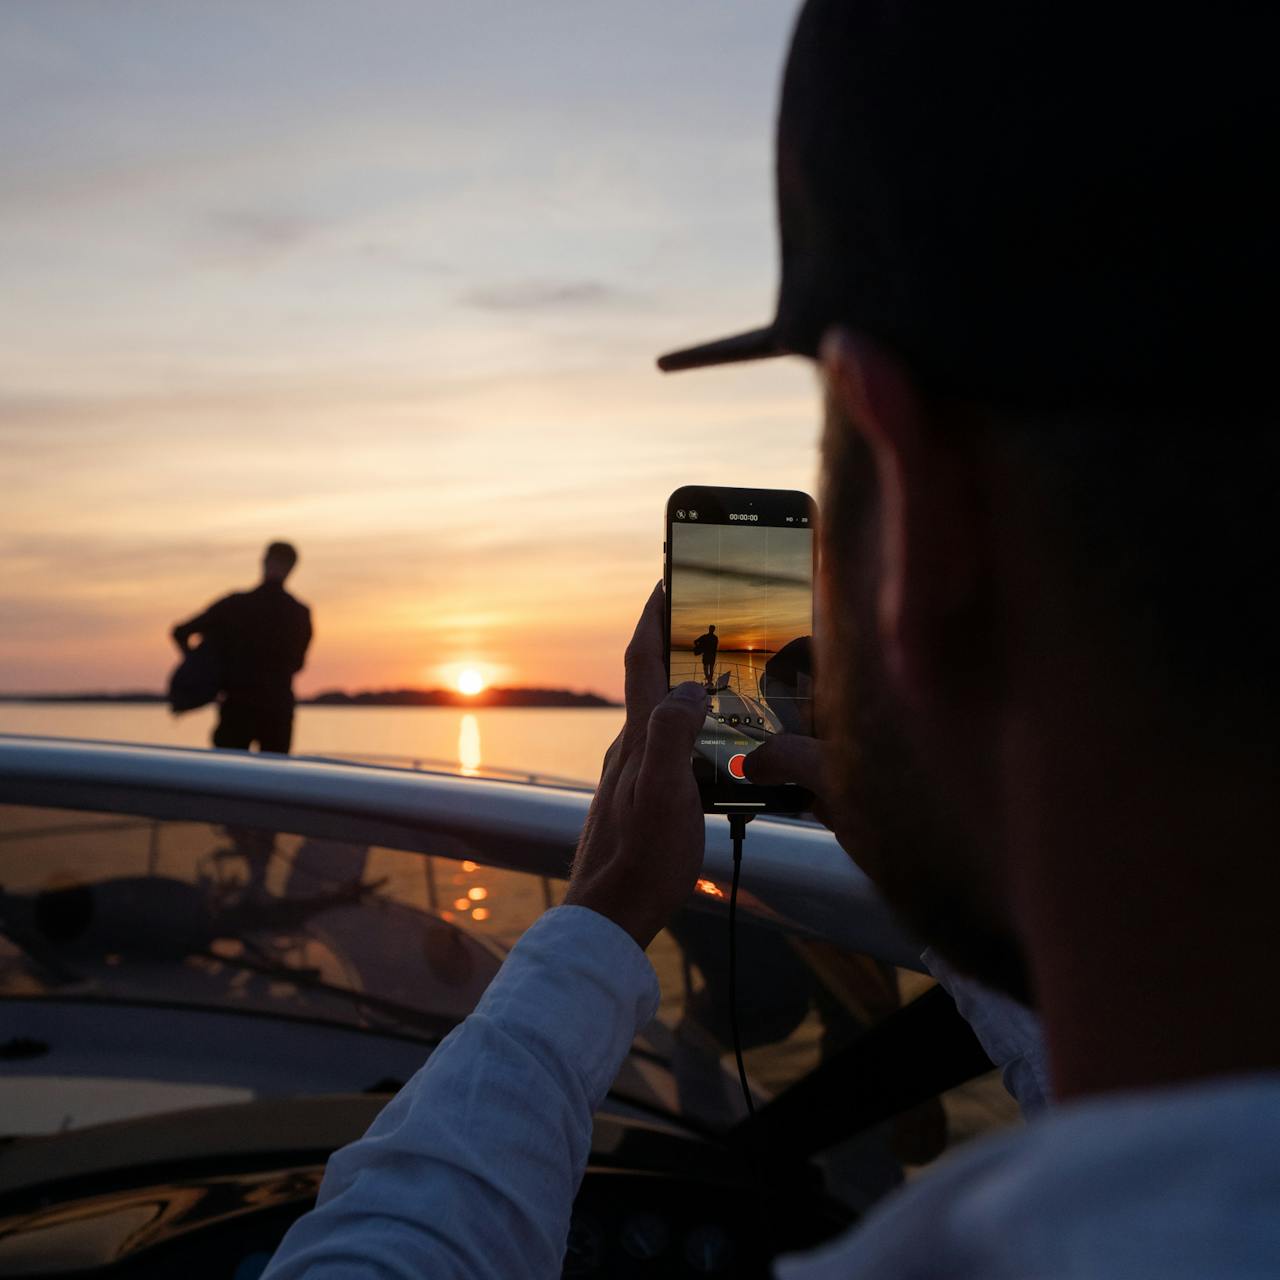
(674, 725)
(786, 757)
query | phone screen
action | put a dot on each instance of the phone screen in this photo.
(740, 613)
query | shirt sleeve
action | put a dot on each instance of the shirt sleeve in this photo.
(202, 623)
(1010, 1033)
(471, 1170)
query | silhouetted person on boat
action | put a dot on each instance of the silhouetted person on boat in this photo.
(260, 638)
(706, 646)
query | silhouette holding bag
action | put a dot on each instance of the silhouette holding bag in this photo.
(261, 639)
(196, 681)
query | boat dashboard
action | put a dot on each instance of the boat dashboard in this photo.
(117, 1200)
(216, 969)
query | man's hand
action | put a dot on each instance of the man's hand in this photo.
(791, 757)
(641, 848)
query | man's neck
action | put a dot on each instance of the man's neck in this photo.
(1146, 886)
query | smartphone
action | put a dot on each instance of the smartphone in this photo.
(739, 577)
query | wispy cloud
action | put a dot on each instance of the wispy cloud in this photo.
(269, 230)
(545, 295)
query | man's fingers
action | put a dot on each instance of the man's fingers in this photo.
(787, 757)
(674, 725)
(646, 671)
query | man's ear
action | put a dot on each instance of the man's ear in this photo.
(928, 535)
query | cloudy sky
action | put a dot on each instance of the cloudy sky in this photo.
(386, 279)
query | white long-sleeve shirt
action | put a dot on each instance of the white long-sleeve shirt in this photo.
(471, 1171)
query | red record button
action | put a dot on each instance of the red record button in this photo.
(737, 767)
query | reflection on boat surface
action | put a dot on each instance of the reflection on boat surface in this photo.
(190, 986)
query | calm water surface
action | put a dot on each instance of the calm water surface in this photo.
(550, 741)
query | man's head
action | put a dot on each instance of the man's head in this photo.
(712, 628)
(278, 561)
(1029, 247)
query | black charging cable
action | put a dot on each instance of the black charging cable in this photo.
(766, 1205)
(737, 832)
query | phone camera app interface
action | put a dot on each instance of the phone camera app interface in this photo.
(741, 622)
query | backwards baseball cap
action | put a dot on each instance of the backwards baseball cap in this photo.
(1031, 203)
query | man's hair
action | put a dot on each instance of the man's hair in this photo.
(712, 627)
(282, 551)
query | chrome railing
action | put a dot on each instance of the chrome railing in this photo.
(454, 768)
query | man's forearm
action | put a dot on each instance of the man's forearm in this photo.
(472, 1169)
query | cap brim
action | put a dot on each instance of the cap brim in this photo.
(759, 344)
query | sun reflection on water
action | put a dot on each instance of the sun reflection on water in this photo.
(469, 744)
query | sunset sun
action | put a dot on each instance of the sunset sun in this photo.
(470, 681)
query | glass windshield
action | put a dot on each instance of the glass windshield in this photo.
(110, 908)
